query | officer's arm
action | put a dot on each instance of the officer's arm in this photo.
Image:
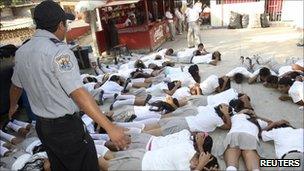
(88, 105)
(15, 94)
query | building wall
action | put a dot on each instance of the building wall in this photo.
(293, 11)
(220, 13)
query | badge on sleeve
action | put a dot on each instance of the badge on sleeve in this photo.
(64, 63)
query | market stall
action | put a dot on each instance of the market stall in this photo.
(140, 24)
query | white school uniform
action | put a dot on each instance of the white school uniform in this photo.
(241, 70)
(111, 87)
(223, 97)
(239, 123)
(209, 85)
(181, 93)
(296, 91)
(285, 140)
(174, 157)
(206, 120)
(89, 86)
(202, 59)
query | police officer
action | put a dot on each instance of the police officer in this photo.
(48, 71)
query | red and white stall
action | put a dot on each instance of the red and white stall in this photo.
(146, 35)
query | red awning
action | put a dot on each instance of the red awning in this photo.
(120, 2)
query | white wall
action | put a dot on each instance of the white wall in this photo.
(293, 11)
(220, 14)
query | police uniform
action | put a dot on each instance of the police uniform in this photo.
(48, 71)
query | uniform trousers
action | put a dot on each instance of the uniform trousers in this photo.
(68, 145)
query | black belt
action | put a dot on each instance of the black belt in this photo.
(63, 118)
(292, 151)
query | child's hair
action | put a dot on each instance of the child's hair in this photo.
(238, 78)
(164, 106)
(215, 55)
(212, 164)
(194, 71)
(221, 83)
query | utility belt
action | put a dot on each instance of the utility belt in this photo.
(292, 151)
(64, 118)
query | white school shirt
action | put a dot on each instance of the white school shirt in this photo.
(169, 16)
(158, 142)
(285, 140)
(241, 70)
(144, 112)
(172, 70)
(296, 91)
(186, 53)
(111, 87)
(202, 59)
(239, 123)
(89, 86)
(158, 89)
(192, 14)
(181, 93)
(223, 97)
(284, 69)
(209, 85)
(174, 157)
(184, 77)
(101, 150)
(206, 120)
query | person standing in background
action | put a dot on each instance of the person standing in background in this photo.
(180, 21)
(155, 10)
(194, 35)
(169, 17)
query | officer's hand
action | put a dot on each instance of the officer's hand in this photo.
(12, 111)
(118, 137)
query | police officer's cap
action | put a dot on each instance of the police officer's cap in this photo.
(48, 14)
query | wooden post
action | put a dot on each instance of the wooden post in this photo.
(147, 12)
(93, 32)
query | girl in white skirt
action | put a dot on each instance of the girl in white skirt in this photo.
(243, 139)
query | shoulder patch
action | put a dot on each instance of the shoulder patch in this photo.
(55, 40)
(64, 63)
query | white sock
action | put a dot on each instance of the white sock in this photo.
(108, 96)
(3, 150)
(123, 102)
(6, 136)
(231, 168)
(99, 142)
(13, 126)
(20, 123)
(123, 97)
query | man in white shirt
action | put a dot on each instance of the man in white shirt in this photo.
(181, 20)
(288, 141)
(293, 89)
(169, 17)
(194, 35)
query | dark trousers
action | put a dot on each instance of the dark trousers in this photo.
(67, 143)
